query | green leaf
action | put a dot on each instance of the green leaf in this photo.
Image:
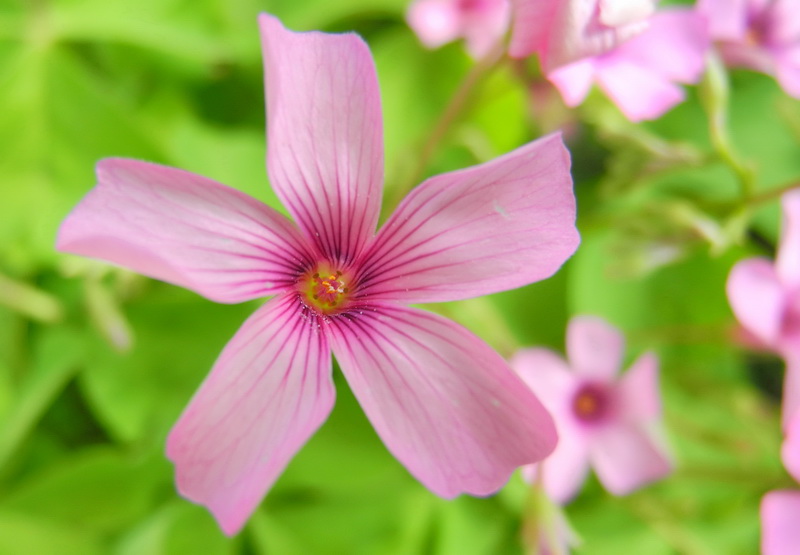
(98, 490)
(23, 534)
(56, 357)
(177, 528)
(139, 394)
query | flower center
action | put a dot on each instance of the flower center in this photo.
(591, 403)
(325, 290)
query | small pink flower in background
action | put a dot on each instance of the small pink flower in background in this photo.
(640, 75)
(780, 510)
(480, 22)
(444, 403)
(563, 31)
(763, 35)
(765, 298)
(613, 424)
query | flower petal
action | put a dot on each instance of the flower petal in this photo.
(269, 390)
(757, 298)
(564, 471)
(787, 68)
(594, 348)
(435, 22)
(547, 374)
(492, 227)
(324, 133)
(444, 403)
(185, 229)
(640, 92)
(564, 31)
(574, 81)
(727, 19)
(627, 457)
(485, 25)
(549, 377)
(531, 26)
(780, 522)
(674, 45)
(638, 390)
(787, 264)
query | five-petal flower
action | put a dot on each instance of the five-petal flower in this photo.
(444, 403)
(614, 424)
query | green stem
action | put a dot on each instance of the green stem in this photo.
(714, 93)
(452, 112)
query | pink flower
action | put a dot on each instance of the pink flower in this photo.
(640, 75)
(614, 424)
(765, 298)
(444, 403)
(780, 510)
(480, 22)
(563, 31)
(763, 35)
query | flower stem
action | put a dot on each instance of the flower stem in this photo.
(714, 93)
(452, 112)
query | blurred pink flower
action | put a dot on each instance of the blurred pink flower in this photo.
(480, 22)
(444, 403)
(763, 35)
(563, 31)
(614, 424)
(765, 298)
(640, 75)
(780, 510)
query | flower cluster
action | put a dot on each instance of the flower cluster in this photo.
(636, 54)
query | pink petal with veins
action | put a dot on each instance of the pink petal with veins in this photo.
(489, 228)
(269, 390)
(324, 135)
(185, 229)
(444, 403)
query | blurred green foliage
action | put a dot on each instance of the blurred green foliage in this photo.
(96, 363)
